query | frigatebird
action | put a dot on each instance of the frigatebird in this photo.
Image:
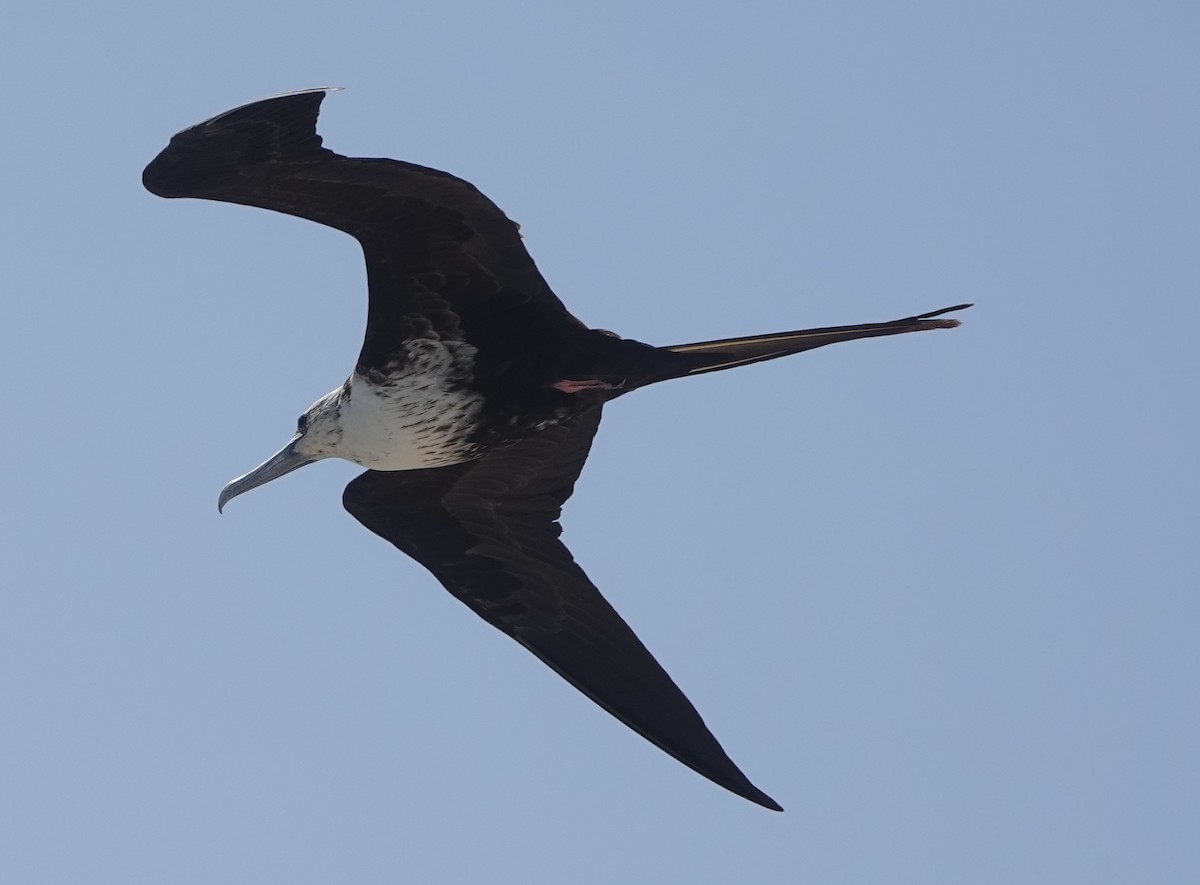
(475, 398)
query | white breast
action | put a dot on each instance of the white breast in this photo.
(421, 416)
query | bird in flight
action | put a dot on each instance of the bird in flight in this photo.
(474, 400)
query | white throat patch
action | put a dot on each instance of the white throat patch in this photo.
(421, 415)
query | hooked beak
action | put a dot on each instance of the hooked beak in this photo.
(284, 461)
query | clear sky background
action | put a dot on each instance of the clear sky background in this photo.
(936, 594)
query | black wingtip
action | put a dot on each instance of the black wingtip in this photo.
(272, 106)
(765, 801)
(280, 127)
(735, 782)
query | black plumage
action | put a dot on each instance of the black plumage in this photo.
(446, 267)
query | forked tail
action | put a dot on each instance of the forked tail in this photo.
(712, 356)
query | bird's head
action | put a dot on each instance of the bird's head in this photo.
(318, 432)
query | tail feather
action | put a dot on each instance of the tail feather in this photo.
(712, 356)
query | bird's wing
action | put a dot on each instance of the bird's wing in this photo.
(441, 257)
(489, 531)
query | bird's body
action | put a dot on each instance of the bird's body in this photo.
(412, 415)
(474, 400)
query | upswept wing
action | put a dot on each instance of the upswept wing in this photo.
(489, 531)
(440, 255)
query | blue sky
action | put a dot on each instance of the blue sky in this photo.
(936, 594)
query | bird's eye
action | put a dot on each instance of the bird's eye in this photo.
(302, 424)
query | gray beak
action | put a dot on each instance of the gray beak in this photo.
(284, 461)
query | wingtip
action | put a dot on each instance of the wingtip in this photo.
(735, 781)
(770, 804)
(754, 794)
(203, 156)
(295, 93)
